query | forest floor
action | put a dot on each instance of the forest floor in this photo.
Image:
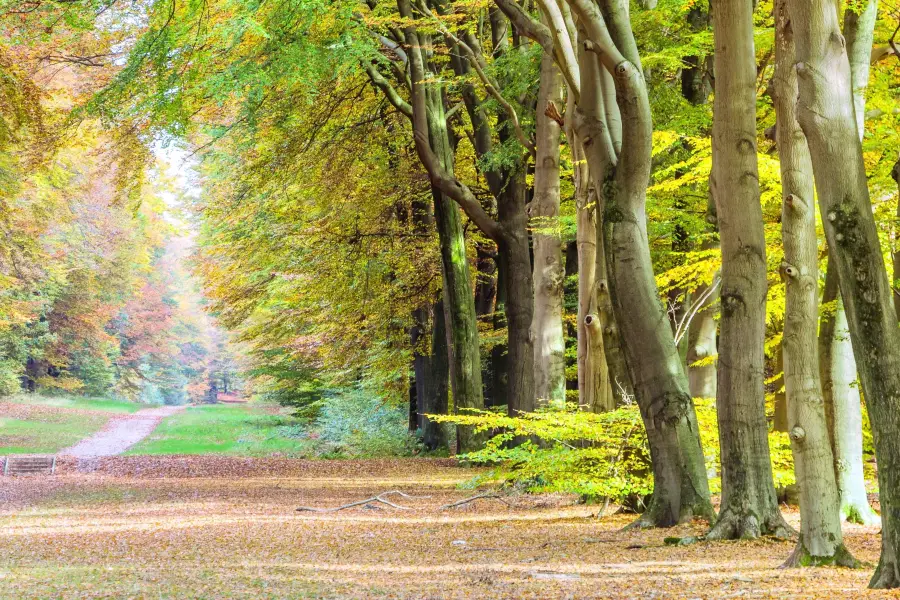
(223, 527)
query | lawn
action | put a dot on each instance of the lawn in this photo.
(236, 430)
(33, 424)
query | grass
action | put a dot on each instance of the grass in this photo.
(77, 403)
(22, 436)
(46, 424)
(235, 430)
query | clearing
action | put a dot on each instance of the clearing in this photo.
(122, 432)
(226, 527)
(32, 424)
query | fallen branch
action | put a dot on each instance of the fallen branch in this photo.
(474, 498)
(379, 498)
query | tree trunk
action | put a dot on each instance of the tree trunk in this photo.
(431, 374)
(842, 396)
(549, 271)
(680, 490)
(597, 126)
(895, 255)
(821, 540)
(594, 382)
(827, 117)
(780, 422)
(847, 427)
(458, 298)
(749, 506)
(859, 30)
(843, 406)
(516, 258)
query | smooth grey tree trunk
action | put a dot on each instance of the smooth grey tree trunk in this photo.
(622, 174)
(828, 119)
(595, 392)
(549, 271)
(821, 540)
(844, 397)
(749, 505)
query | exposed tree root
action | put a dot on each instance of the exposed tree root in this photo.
(747, 526)
(657, 515)
(475, 498)
(379, 498)
(860, 514)
(801, 557)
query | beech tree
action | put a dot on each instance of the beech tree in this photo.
(820, 541)
(749, 506)
(826, 115)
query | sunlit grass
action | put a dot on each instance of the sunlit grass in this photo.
(36, 424)
(78, 402)
(242, 430)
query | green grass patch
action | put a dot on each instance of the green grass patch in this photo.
(235, 430)
(20, 436)
(78, 402)
(55, 422)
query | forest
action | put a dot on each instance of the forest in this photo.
(643, 255)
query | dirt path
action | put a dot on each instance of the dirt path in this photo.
(218, 527)
(121, 433)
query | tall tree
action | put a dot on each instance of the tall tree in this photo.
(820, 540)
(828, 119)
(749, 506)
(549, 272)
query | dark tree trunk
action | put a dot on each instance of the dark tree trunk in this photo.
(514, 252)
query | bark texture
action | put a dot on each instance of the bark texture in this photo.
(549, 271)
(435, 151)
(827, 117)
(595, 392)
(749, 505)
(820, 541)
(622, 172)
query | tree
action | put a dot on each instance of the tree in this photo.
(826, 115)
(749, 505)
(820, 540)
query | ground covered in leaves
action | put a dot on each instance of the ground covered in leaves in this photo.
(220, 527)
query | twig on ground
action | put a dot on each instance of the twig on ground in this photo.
(379, 498)
(474, 498)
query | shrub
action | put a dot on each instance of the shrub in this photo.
(597, 456)
(360, 423)
(10, 377)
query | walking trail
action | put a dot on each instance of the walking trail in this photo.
(121, 433)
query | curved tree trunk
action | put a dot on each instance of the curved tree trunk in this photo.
(749, 506)
(821, 540)
(680, 486)
(843, 405)
(844, 397)
(549, 272)
(828, 119)
(458, 298)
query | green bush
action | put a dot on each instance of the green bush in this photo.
(10, 377)
(360, 423)
(594, 455)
